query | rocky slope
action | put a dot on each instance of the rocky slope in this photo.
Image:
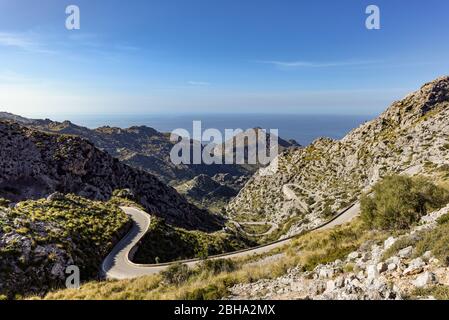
(399, 267)
(147, 149)
(40, 239)
(314, 183)
(34, 164)
(207, 192)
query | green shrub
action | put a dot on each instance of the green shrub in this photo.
(400, 201)
(124, 193)
(443, 219)
(436, 241)
(399, 245)
(171, 244)
(176, 274)
(4, 203)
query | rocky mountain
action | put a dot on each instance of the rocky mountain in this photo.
(394, 247)
(147, 149)
(250, 147)
(211, 192)
(139, 146)
(34, 164)
(15, 118)
(314, 183)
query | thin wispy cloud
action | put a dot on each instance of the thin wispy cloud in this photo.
(313, 64)
(23, 42)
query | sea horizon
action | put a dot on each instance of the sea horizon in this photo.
(303, 128)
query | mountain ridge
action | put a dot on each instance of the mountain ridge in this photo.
(35, 164)
(330, 174)
(147, 149)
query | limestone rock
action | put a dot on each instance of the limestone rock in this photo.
(389, 242)
(416, 266)
(425, 279)
(406, 252)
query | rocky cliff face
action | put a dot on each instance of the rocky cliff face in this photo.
(314, 183)
(34, 164)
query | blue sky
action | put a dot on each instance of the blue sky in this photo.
(264, 56)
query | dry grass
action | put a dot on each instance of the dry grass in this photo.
(307, 251)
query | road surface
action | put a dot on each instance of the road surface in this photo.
(118, 265)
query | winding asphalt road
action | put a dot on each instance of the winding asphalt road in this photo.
(118, 265)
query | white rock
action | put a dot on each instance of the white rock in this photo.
(394, 259)
(353, 255)
(389, 242)
(427, 255)
(376, 252)
(330, 286)
(406, 252)
(372, 272)
(361, 275)
(356, 283)
(392, 266)
(337, 262)
(425, 279)
(382, 267)
(339, 282)
(416, 266)
(326, 273)
(365, 257)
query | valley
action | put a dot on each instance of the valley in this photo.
(330, 223)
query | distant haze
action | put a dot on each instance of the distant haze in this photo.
(302, 128)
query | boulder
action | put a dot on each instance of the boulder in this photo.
(326, 273)
(56, 196)
(330, 286)
(389, 242)
(371, 272)
(382, 267)
(376, 252)
(427, 255)
(353, 255)
(392, 267)
(394, 259)
(406, 252)
(416, 266)
(425, 279)
(339, 282)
